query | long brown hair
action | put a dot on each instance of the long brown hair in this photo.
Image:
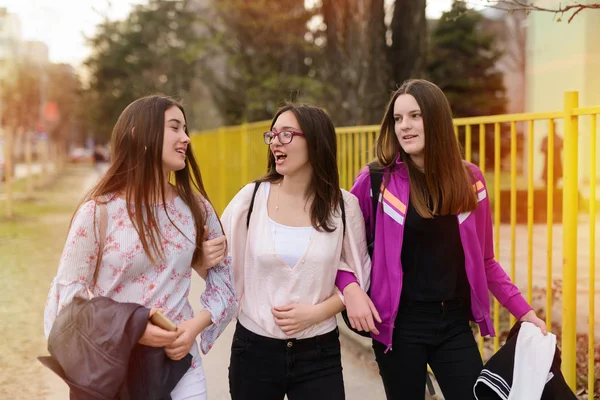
(445, 186)
(136, 172)
(324, 187)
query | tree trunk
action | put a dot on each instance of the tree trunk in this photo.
(377, 83)
(9, 168)
(355, 62)
(409, 40)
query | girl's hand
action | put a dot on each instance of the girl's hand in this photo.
(530, 316)
(360, 309)
(294, 318)
(213, 251)
(156, 337)
(187, 331)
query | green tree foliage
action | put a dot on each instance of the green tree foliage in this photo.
(246, 57)
(156, 49)
(463, 61)
(259, 57)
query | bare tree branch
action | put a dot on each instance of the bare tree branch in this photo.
(522, 5)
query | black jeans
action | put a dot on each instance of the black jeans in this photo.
(437, 334)
(263, 368)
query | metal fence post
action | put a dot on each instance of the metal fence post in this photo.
(222, 171)
(244, 149)
(570, 214)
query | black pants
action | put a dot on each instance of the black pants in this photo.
(430, 333)
(263, 368)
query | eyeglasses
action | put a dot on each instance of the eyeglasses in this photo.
(284, 137)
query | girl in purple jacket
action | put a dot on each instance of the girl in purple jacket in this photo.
(433, 259)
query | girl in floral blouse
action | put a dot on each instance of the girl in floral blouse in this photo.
(156, 233)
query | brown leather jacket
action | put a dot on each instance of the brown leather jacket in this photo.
(94, 349)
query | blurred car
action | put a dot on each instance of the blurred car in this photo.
(80, 155)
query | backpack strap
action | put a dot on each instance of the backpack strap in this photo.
(376, 176)
(343, 210)
(256, 185)
(103, 224)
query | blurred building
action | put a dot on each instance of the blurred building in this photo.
(36, 52)
(10, 49)
(10, 36)
(14, 52)
(510, 30)
(544, 57)
(563, 57)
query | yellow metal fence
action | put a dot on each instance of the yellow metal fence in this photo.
(545, 253)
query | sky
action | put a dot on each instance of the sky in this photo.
(62, 24)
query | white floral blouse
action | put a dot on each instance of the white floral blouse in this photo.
(127, 275)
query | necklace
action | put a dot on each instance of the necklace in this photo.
(278, 190)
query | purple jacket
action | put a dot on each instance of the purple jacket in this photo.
(483, 271)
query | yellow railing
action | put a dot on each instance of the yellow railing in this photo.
(230, 157)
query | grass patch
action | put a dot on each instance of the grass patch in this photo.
(31, 243)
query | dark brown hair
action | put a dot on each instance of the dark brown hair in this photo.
(445, 186)
(324, 187)
(136, 172)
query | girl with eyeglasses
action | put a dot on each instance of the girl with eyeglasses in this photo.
(289, 235)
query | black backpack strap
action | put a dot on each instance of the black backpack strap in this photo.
(376, 175)
(256, 185)
(343, 209)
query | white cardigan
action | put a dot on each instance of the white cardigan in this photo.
(263, 280)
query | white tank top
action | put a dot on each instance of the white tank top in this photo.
(291, 242)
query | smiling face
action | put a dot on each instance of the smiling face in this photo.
(408, 126)
(290, 158)
(175, 141)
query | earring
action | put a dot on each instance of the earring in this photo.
(145, 148)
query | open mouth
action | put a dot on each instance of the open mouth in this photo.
(181, 151)
(408, 137)
(279, 156)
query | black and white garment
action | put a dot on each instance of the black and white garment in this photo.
(527, 367)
